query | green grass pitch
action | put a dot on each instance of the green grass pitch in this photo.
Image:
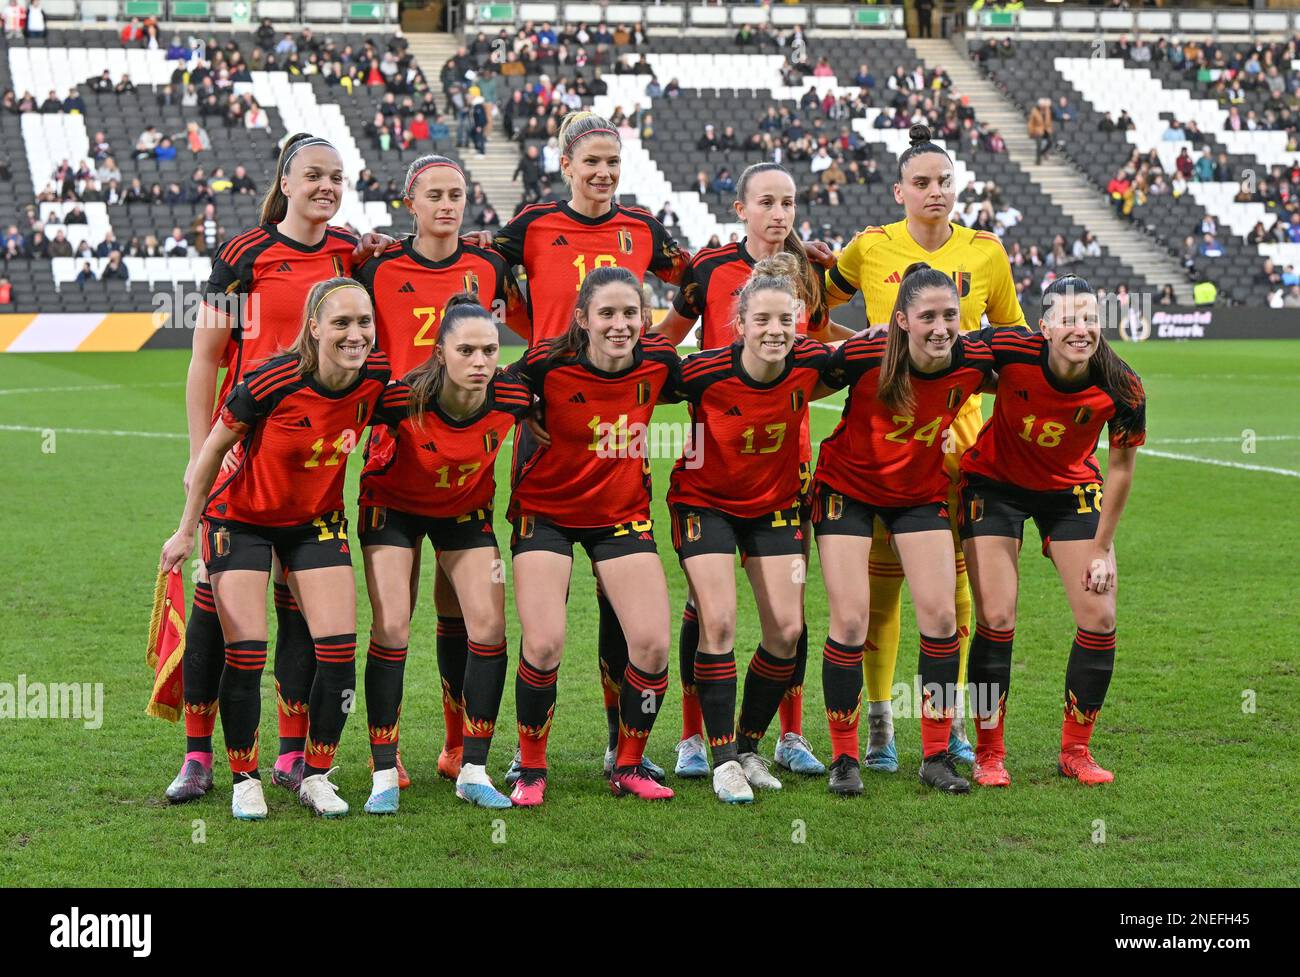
(1200, 725)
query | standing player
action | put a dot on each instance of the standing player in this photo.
(446, 422)
(1035, 459)
(873, 263)
(298, 417)
(765, 204)
(747, 400)
(885, 462)
(597, 384)
(411, 283)
(252, 310)
(559, 244)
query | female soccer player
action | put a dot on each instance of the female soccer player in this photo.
(251, 311)
(411, 283)
(885, 462)
(597, 384)
(1035, 460)
(558, 244)
(740, 489)
(765, 204)
(446, 422)
(298, 417)
(874, 263)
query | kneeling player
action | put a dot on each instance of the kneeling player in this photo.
(434, 477)
(298, 416)
(748, 403)
(885, 461)
(597, 384)
(1035, 460)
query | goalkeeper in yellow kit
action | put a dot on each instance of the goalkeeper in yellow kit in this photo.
(873, 263)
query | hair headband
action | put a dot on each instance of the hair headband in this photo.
(428, 166)
(300, 144)
(321, 301)
(593, 132)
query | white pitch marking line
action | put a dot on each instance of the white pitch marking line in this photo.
(91, 386)
(1175, 456)
(84, 430)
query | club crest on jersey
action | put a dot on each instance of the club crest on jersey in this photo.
(976, 509)
(221, 542)
(491, 441)
(363, 412)
(643, 393)
(693, 528)
(338, 266)
(797, 400)
(1083, 415)
(625, 241)
(525, 529)
(376, 517)
(954, 398)
(471, 282)
(962, 280)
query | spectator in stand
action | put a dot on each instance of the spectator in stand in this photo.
(1086, 247)
(196, 138)
(1118, 188)
(479, 122)
(166, 149)
(821, 161)
(864, 78)
(1203, 170)
(114, 269)
(667, 216)
(176, 245)
(60, 246)
(723, 184)
(1107, 124)
(708, 142)
(147, 143)
(1040, 128)
(1293, 228)
(823, 69)
(14, 18)
(1210, 247)
(1064, 112)
(256, 117)
(35, 21)
(101, 85)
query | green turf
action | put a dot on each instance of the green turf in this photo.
(1204, 790)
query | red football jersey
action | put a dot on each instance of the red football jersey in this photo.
(1043, 434)
(558, 247)
(442, 468)
(595, 473)
(297, 438)
(410, 293)
(272, 275)
(710, 285)
(744, 433)
(884, 458)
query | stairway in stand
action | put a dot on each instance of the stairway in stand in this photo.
(493, 170)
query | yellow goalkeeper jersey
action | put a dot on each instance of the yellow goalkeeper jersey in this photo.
(873, 264)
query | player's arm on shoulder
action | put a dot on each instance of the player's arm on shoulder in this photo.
(208, 346)
(225, 434)
(842, 279)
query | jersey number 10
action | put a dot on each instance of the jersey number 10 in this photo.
(602, 261)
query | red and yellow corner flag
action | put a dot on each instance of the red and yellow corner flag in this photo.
(166, 646)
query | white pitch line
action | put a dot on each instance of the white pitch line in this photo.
(91, 386)
(1175, 456)
(85, 430)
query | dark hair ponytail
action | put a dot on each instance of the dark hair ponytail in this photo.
(920, 138)
(894, 388)
(426, 380)
(807, 279)
(1105, 367)
(575, 339)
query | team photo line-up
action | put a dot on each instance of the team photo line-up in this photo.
(333, 335)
